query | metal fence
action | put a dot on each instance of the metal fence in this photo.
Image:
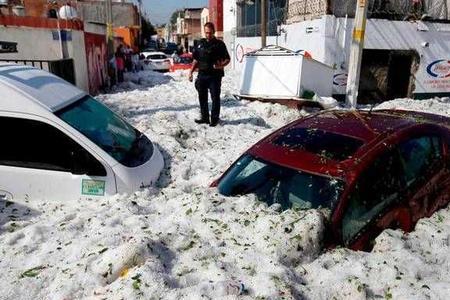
(63, 68)
(299, 10)
(249, 17)
(395, 9)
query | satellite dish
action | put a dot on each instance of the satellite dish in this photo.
(67, 12)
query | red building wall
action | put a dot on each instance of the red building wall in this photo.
(96, 56)
(39, 8)
(216, 13)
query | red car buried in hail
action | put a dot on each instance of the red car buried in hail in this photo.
(183, 62)
(373, 170)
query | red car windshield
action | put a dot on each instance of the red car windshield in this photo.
(272, 183)
(185, 60)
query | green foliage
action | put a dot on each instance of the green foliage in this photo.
(136, 281)
(33, 272)
(147, 30)
(174, 16)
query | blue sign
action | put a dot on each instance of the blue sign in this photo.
(65, 35)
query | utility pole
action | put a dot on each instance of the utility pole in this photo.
(110, 42)
(356, 49)
(263, 22)
(109, 29)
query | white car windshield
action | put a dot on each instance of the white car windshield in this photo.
(107, 130)
(273, 183)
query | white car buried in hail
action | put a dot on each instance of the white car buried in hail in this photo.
(156, 61)
(59, 143)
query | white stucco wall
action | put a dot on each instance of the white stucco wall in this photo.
(328, 40)
(397, 35)
(31, 43)
(309, 36)
(38, 44)
(77, 51)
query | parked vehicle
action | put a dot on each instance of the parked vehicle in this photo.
(170, 48)
(152, 44)
(371, 170)
(60, 143)
(183, 62)
(156, 61)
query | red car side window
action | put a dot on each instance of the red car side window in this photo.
(419, 157)
(377, 188)
(383, 183)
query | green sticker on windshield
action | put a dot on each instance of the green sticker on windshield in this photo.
(93, 187)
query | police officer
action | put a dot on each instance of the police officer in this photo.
(210, 57)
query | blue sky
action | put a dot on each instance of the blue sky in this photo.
(161, 10)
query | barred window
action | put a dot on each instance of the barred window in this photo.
(249, 17)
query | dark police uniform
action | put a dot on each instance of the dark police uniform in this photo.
(207, 53)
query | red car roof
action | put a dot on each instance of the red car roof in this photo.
(331, 142)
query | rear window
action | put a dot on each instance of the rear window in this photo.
(326, 144)
(156, 56)
(185, 60)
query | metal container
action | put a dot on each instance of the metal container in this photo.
(276, 72)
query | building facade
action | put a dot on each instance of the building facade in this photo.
(216, 16)
(189, 28)
(204, 19)
(405, 51)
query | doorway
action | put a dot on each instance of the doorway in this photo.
(387, 75)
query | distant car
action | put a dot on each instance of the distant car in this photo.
(156, 61)
(183, 62)
(152, 44)
(146, 50)
(59, 143)
(372, 170)
(170, 48)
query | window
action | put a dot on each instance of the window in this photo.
(184, 60)
(156, 56)
(377, 188)
(409, 164)
(272, 183)
(36, 145)
(326, 144)
(249, 17)
(419, 156)
(107, 130)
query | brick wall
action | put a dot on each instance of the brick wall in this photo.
(300, 10)
(35, 8)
